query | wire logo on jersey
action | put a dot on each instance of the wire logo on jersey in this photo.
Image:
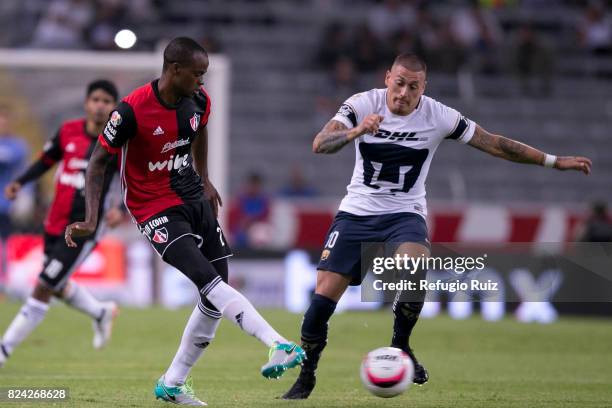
(160, 236)
(172, 163)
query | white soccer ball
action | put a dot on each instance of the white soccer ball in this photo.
(387, 372)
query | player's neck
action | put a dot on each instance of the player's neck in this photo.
(93, 129)
(166, 93)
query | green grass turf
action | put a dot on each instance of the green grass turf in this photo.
(471, 363)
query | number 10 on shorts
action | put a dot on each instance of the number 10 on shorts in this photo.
(331, 240)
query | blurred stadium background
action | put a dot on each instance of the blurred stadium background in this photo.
(539, 71)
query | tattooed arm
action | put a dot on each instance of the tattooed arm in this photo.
(335, 135)
(94, 183)
(505, 148)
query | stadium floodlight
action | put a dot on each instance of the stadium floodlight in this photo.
(125, 39)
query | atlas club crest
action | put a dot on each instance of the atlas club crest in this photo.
(194, 121)
(160, 235)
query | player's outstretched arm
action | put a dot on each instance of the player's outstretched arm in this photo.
(51, 154)
(94, 183)
(36, 169)
(335, 135)
(509, 149)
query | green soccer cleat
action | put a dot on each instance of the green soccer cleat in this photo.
(180, 395)
(282, 357)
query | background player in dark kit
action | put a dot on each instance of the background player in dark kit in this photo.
(159, 131)
(396, 132)
(71, 147)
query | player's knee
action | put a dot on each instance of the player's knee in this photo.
(42, 292)
(185, 256)
(65, 292)
(221, 267)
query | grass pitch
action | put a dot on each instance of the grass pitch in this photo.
(471, 363)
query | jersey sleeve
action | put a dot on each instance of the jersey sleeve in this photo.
(455, 125)
(353, 110)
(204, 100)
(121, 127)
(51, 154)
(52, 150)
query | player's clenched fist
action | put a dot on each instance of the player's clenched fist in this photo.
(11, 190)
(77, 230)
(369, 124)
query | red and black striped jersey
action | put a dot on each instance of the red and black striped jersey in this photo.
(153, 140)
(71, 147)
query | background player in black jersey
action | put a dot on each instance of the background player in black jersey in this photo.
(72, 145)
(160, 132)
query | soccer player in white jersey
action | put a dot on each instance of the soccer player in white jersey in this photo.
(396, 131)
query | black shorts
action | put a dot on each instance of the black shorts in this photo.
(60, 261)
(343, 243)
(193, 219)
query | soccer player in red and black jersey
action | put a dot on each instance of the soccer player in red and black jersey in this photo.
(159, 132)
(71, 147)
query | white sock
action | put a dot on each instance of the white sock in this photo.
(239, 310)
(81, 299)
(199, 332)
(31, 314)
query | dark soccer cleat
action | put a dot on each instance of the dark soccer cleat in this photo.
(302, 387)
(421, 376)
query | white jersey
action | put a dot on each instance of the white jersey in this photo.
(391, 166)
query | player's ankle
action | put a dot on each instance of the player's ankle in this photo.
(4, 350)
(308, 371)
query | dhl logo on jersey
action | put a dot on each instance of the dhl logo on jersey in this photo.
(395, 136)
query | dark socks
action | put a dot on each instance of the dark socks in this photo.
(405, 315)
(314, 330)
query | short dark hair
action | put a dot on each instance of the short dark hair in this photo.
(181, 50)
(105, 85)
(411, 61)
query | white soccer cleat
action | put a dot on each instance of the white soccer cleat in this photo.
(103, 327)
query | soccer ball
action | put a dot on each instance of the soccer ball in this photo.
(387, 372)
